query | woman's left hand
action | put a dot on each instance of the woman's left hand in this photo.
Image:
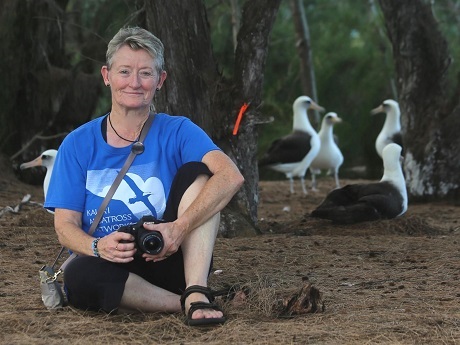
(172, 238)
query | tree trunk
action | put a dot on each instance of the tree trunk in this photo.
(307, 70)
(196, 89)
(247, 86)
(430, 114)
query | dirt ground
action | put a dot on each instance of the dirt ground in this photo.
(384, 282)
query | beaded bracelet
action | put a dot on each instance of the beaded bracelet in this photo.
(94, 247)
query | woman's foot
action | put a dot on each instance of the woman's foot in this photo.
(200, 311)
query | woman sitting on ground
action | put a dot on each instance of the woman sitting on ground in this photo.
(181, 177)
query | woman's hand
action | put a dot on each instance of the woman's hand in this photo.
(117, 247)
(172, 238)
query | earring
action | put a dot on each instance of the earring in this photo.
(108, 84)
(158, 89)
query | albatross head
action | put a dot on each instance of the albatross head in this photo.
(330, 119)
(46, 159)
(305, 102)
(300, 107)
(390, 107)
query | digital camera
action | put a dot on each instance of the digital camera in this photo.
(147, 241)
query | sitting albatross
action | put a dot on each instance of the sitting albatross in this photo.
(391, 130)
(366, 202)
(329, 157)
(46, 159)
(293, 153)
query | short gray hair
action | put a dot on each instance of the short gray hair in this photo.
(137, 38)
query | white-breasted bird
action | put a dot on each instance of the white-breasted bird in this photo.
(293, 153)
(46, 159)
(355, 203)
(391, 130)
(329, 156)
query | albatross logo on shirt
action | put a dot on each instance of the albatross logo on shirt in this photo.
(140, 197)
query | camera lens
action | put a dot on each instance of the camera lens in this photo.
(152, 243)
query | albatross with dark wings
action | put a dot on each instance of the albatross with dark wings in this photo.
(366, 202)
(292, 154)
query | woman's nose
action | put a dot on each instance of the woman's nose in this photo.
(135, 80)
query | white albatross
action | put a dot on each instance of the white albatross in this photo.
(293, 153)
(355, 203)
(329, 156)
(391, 130)
(46, 159)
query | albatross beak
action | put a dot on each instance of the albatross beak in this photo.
(35, 163)
(316, 106)
(378, 110)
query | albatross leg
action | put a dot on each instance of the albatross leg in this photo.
(313, 181)
(302, 182)
(314, 185)
(291, 185)
(336, 177)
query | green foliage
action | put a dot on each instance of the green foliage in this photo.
(354, 68)
(219, 15)
(353, 74)
(91, 24)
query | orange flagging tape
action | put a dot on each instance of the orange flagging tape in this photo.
(240, 116)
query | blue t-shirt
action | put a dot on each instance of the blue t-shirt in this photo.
(86, 167)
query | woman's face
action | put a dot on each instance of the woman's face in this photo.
(133, 78)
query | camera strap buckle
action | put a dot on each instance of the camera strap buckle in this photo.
(50, 278)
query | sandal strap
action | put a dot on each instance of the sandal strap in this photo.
(202, 305)
(196, 289)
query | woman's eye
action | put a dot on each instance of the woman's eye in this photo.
(124, 71)
(146, 74)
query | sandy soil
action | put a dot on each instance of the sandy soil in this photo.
(384, 282)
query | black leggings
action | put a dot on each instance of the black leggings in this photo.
(93, 283)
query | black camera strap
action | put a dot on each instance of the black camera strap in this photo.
(137, 148)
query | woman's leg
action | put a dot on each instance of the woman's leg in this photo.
(96, 284)
(139, 294)
(197, 250)
(192, 265)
